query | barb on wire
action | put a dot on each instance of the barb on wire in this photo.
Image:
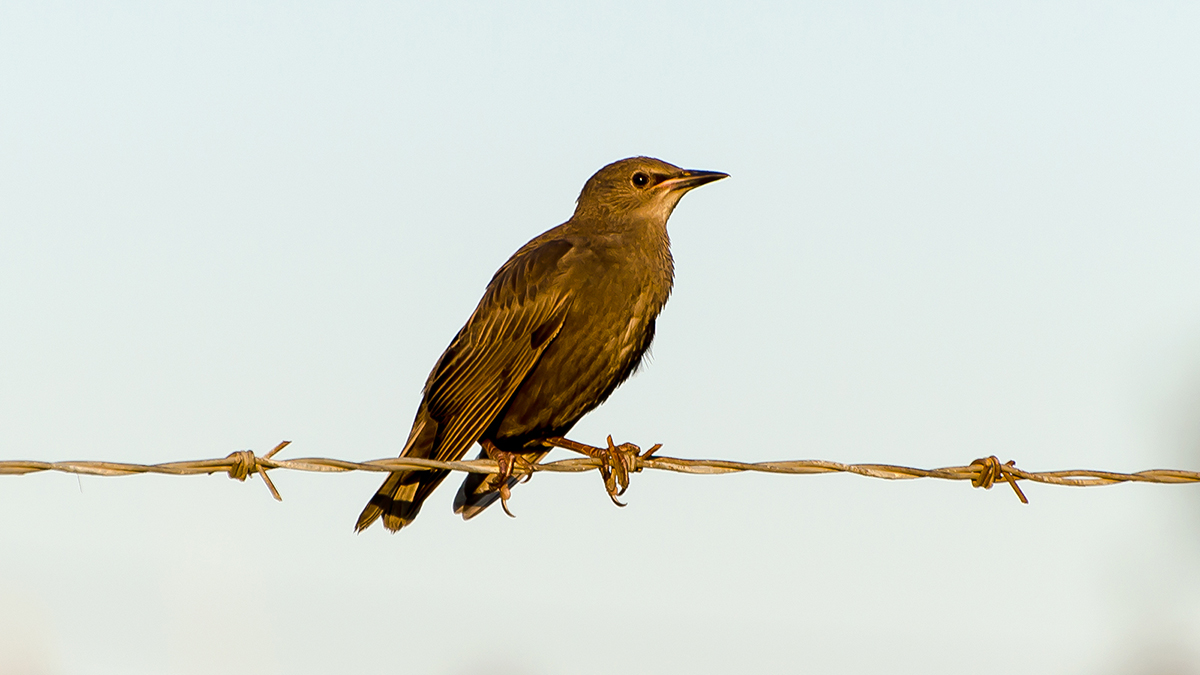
(982, 473)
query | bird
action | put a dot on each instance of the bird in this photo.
(561, 325)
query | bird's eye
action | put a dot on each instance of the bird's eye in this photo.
(640, 179)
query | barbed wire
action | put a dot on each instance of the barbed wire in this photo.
(984, 472)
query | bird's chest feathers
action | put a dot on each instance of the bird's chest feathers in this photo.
(632, 340)
(620, 304)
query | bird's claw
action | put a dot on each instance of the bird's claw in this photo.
(616, 463)
(505, 493)
(506, 461)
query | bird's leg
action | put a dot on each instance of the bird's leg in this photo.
(616, 462)
(506, 460)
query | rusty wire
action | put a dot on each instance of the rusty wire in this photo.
(983, 472)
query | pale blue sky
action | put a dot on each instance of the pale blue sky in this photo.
(952, 230)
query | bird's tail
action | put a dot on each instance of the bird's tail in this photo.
(400, 498)
(481, 490)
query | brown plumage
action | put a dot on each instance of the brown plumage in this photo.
(564, 322)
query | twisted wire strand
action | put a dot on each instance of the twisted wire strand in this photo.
(983, 472)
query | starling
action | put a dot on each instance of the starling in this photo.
(564, 322)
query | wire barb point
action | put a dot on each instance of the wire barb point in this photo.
(244, 463)
(991, 470)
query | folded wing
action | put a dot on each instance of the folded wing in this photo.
(519, 316)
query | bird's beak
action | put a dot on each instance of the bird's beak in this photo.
(691, 179)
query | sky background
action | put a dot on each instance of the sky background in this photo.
(952, 230)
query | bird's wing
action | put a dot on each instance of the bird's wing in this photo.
(518, 317)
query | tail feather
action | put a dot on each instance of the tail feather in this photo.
(399, 499)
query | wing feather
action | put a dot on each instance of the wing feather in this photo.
(493, 353)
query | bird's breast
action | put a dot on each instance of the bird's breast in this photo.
(607, 330)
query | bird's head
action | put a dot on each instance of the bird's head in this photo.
(638, 189)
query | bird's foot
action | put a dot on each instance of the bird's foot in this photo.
(507, 461)
(616, 462)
